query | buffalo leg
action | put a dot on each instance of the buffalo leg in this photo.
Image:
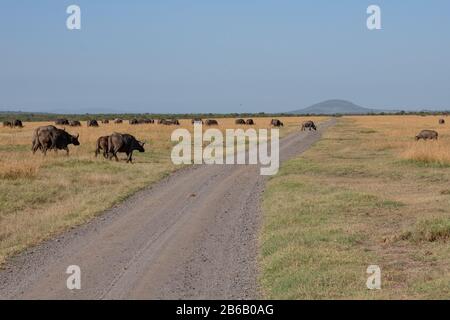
(129, 155)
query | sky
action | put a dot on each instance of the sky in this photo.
(181, 56)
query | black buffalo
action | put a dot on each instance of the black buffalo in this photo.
(62, 122)
(249, 122)
(239, 121)
(211, 122)
(92, 123)
(123, 142)
(197, 120)
(7, 124)
(169, 122)
(17, 123)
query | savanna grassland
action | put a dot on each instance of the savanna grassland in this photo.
(42, 196)
(366, 194)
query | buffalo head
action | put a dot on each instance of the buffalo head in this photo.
(74, 140)
(140, 146)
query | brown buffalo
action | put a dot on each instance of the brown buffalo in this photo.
(239, 121)
(308, 124)
(102, 144)
(276, 123)
(427, 134)
(74, 123)
(122, 142)
(49, 137)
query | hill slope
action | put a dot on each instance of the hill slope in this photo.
(335, 106)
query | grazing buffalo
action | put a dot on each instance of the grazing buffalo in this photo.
(62, 122)
(17, 123)
(105, 121)
(7, 124)
(148, 121)
(92, 123)
(102, 144)
(122, 142)
(118, 120)
(250, 122)
(169, 122)
(239, 121)
(133, 121)
(197, 120)
(441, 121)
(427, 134)
(276, 123)
(308, 124)
(211, 122)
(74, 123)
(50, 137)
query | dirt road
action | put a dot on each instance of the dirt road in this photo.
(191, 236)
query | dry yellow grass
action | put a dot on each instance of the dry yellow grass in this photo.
(398, 134)
(362, 195)
(41, 196)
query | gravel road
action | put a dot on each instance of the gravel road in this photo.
(191, 236)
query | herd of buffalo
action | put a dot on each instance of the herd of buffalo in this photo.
(49, 137)
(52, 138)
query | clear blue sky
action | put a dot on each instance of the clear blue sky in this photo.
(222, 56)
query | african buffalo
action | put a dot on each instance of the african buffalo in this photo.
(118, 120)
(250, 122)
(427, 134)
(102, 144)
(239, 121)
(197, 120)
(50, 137)
(169, 122)
(62, 122)
(133, 121)
(308, 124)
(7, 124)
(276, 123)
(105, 121)
(92, 123)
(122, 142)
(441, 121)
(211, 122)
(17, 123)
(74, 123)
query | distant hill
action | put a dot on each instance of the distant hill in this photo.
(335, 107)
